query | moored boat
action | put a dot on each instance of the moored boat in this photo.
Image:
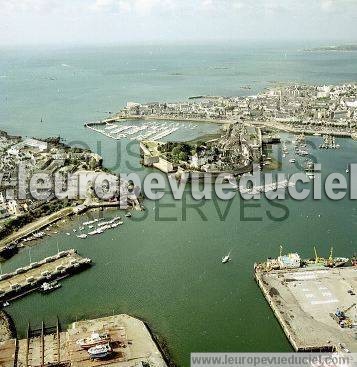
(49, 287)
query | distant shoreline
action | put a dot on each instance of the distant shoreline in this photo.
(338, 48)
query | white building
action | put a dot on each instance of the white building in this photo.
(290, 261)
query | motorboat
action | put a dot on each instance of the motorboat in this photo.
(100, 351)
(96, 339)
(226, 258)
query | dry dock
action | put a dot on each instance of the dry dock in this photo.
(29, 278)
(131, 343)
(304, 302)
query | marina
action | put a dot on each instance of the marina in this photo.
(32, 277)
(268, 187)
(140, 130)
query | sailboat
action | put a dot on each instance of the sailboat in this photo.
(227, 258)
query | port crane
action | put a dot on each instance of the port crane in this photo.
(317, 258)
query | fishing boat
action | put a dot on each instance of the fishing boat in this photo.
(336, 262)
(94, 340)
(49, 287)
(292, 160)
(82, 236)
(100, 351)
(227, 258)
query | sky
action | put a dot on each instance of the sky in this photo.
(32, 22)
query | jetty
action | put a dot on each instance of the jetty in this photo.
(306, 301)
(27, 279)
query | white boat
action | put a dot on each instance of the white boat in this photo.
(83, 235)
(226, 258)
(96, 339)
(93, 232)
(292, 160)
(100, 351)
(49, 287)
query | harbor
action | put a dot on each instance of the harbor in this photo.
(138, 269)
(27, 279)
(128, 342)
(142, 130)
(314, 304)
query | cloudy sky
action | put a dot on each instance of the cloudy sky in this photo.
(140, 21)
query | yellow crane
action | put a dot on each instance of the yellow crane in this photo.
(331, 261)
(317, 258)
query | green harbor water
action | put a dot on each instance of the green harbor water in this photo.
(163, 265)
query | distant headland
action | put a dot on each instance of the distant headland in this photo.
(339, 48)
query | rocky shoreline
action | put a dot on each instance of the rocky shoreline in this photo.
(7, 327)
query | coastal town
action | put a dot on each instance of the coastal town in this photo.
(325, 109)
(22, 215)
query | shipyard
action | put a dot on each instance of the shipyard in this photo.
(117, 340)
(313, 300)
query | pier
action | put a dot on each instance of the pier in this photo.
(30, 278)
(305, 301)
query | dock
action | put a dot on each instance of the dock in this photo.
(305, 300)
(30, 278)
(130, 339)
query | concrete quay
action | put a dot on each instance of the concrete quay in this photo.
(28, 279)
(130, 340)
(305, 300)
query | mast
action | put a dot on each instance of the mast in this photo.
(316, 258)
